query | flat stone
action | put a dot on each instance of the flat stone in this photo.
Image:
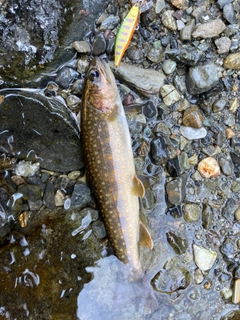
(169, 94)
(193, 133)
(146, 81)
(81, 46)
(209, 29)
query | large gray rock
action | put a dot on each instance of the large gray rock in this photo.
(201, 79)
(35, 128)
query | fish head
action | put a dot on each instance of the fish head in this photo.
(100, 90)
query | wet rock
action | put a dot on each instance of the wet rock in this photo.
(209, 29)
(81, 46)
(186, 32)
(168, 20)
(175, 212)
(30, 191)
(155, 55)
(192, 117)
(149, 110)
(74, 175)
(175, 190)
(193, 133)
(232, 61)
(210, 151)
(228, 210)
(232, 315)
(222, 3)
(236, 291)
(229, 14)
(201, 79)
(158, 150)
(161, 128)
(135, 53)
(169, 94)
(81, 195)
(173, 167)
(65, 76)
(43, 135)
(198, 276)
(226, 166)
(223, 45)
(98, 229)
(147, 82)
(209, 167)
(190, 56)
(169, 66)
(180, 4)
(236, 161)
(73, 102)
(191, 212)
(110, 22)
(229, 249)
(207, 217)
(237, 214)
(26, 168)
(59, 198)
(173, 278)
(99, 44)
(48, 198)
(178, 244)
(204, 258)
(219, 105)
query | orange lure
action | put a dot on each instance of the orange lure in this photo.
(125, 33)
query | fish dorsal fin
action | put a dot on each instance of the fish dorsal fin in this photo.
(145, 239)
(138, 188)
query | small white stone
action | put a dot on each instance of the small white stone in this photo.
(204, 258)
(193, 133)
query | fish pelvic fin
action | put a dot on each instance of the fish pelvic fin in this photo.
(145, 238)
(138, 188)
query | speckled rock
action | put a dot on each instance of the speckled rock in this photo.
(209, 29)
(180, 4)
(186, 32)
(232, 61)
(192, 117)
(201, 79)
(209, 167)
(168, 20)
(191, 212)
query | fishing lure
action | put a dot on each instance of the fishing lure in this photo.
(125, 33)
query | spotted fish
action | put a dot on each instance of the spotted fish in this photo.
(110, 164)
(125, 33)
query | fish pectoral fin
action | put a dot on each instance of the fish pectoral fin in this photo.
(114, 114)
(145, 238)
(138, 188)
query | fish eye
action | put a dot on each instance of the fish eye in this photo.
(93, 75)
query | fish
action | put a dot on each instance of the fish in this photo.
(125, 33)
(110, 166)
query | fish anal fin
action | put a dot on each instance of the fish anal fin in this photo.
(138, 188)
(145, 239)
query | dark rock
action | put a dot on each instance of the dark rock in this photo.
(229, 14)
(149, 110)
(99, 44)
(66, 76)
(189, 56)
(207, 216)
(229, 250)
(135, 53)
(229, 209)
(48, 198)
(178, 244)
(99, 230)
(30, 192)
(176, 190)
(201, 79)
(173, 167)
(175, 212)
(50, 132)
(81, 195)
(226, 166)
(158, 150)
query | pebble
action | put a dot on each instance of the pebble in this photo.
(74, 175)
(160, 4)
(81, 46)
(201, 79)
(99, 45)
(207, 217)
(209, 29)
(223, 45)
(30, 191)
(65, 76)
(219, 105)
(229, 133)
(154, 55)
(186, 32)
(169, 94)
(161, 128)
(237, 214)
(226, 166)
(222, 3)
(26, 168)
(232, 61)
(134, 53)
(189, 56)
(198, 276)
(168, 20)
(81, 195)
(192, 117)
(175, 192)
(17, 180)
(59, 198)
(233, 107)
(180, 4)
(193, 133)
(110, 23)
(98, 229)
(82, 65)
(146, 81)
(229, 14)
(158, 150)
(204, 258)
(191, 212)
(73, 102)
(226, 293)
(209, 167)
(169, 66)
